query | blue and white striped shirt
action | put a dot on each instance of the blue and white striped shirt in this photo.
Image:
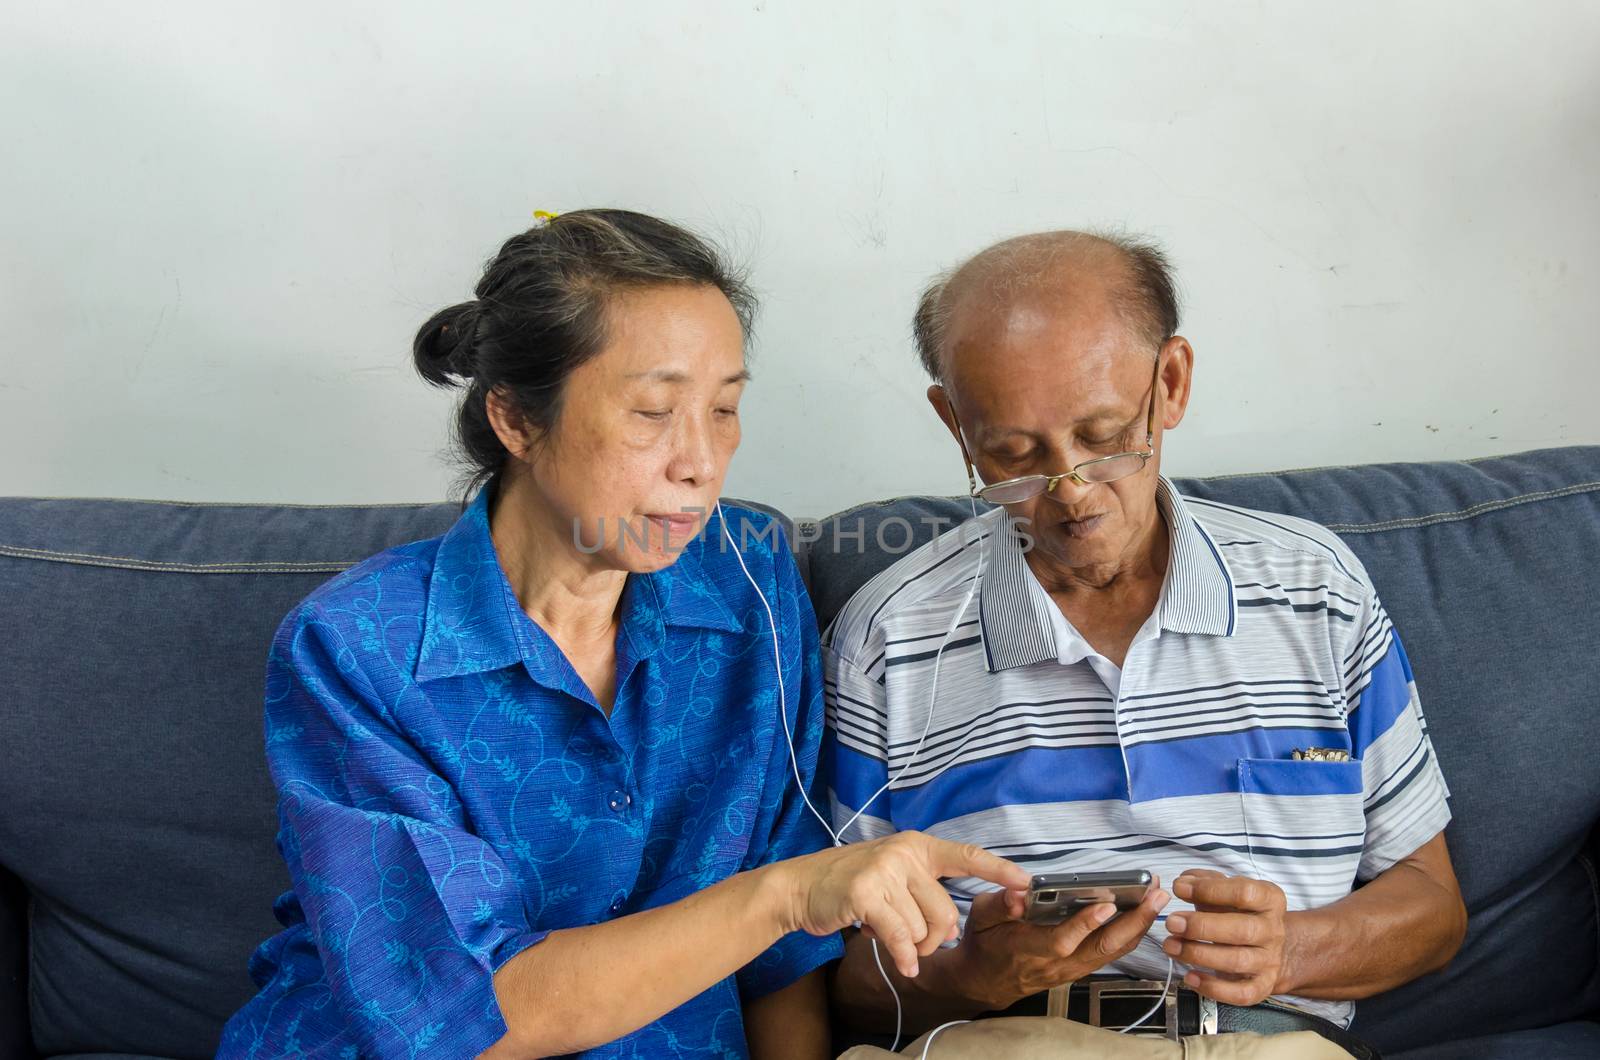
(1268, 637)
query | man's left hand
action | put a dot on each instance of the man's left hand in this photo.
(1234, 940)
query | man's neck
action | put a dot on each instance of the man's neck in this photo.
(1109, 603)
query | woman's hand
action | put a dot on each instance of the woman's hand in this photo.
(890, 887)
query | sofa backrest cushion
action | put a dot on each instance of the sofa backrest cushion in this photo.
(138, 809)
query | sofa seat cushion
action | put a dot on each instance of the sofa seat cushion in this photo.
(1579, 1040)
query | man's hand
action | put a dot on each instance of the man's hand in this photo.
(1002, 958)
(1236, 933)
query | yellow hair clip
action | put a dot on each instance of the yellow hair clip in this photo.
(544, 216)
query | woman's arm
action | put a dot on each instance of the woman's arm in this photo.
(581, 987)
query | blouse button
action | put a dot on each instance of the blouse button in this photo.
(619, 801)
(616, 907)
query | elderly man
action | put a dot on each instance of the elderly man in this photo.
(1100, 674)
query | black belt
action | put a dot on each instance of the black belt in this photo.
(1115, 1002)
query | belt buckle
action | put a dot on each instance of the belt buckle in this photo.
(1170, 1027)
(1163, 1022)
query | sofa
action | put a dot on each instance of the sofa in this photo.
(137, 865)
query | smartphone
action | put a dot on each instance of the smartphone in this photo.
(1056, 896)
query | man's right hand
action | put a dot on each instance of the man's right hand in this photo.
(1002, 958)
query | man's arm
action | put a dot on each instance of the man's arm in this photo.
(791, 1023)
(1406, 922)
(862, 1000)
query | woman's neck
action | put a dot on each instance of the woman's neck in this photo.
(556, 585)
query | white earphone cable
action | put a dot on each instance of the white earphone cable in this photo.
(933, 691)
(929, 1043)
(777, 667)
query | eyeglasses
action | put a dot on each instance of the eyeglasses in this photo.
(1101, 469)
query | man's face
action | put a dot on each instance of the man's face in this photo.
(1050, 378)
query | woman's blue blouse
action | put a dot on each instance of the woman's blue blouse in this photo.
(450, 791)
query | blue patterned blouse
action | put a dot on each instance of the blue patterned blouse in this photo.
(450, 792)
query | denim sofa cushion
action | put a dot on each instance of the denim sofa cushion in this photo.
(1488, 569)
(1579, 1040)
(138, 810)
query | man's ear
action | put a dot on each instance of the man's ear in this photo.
(1177, 379)
(939, 398)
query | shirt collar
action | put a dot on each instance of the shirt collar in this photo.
(472, 622)
(1196, 597)
(1016, 631)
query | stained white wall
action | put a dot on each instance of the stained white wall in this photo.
(220, 229)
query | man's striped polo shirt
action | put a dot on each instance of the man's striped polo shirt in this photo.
(1267, 638)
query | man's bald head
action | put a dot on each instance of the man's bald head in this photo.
(1131, 273)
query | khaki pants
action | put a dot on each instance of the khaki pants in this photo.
(1053, 1038)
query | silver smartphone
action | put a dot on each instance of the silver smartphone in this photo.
(1056, 896)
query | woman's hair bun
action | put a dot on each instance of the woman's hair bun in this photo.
(443, 351)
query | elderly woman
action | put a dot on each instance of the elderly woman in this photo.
(543, 780)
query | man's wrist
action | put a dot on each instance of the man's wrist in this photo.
(951, 977)
(1301, 934)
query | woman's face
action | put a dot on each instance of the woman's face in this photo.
(646, 428)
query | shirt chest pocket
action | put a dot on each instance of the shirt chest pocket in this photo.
(1303, 821)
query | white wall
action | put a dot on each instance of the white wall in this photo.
(221, 230)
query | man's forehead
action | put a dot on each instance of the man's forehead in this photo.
(1032, 339)
(1065, 295)
(1045, 412)
(1041, 376)
(1024, 318)
(1047, 282)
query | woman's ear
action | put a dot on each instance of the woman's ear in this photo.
(509, 424)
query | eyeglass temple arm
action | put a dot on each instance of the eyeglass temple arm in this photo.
(961, 440)
(1150, 420)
